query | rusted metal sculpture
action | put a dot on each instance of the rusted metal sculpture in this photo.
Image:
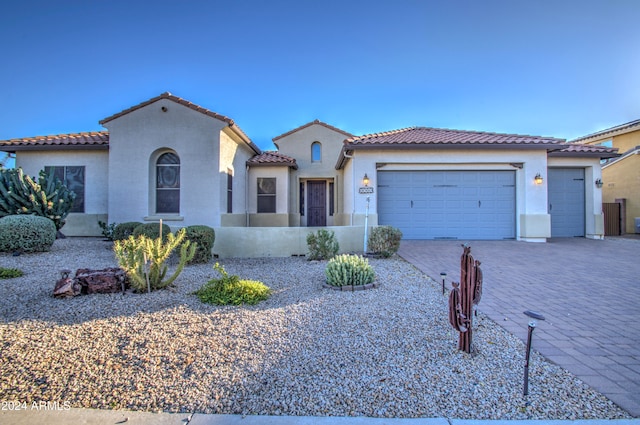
(463, 297)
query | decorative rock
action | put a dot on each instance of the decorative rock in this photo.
(66, 288)
(104, 281)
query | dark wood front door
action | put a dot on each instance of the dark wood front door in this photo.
(316, 203)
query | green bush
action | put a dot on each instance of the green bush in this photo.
(152, 231)
(10, 273)
(26, 233)
(204, 238)
(323, 245)
(144, 259)
(346, 270)
(107, 229)
(123, 230)
(384, 241)
(48, 197)
(231, 290)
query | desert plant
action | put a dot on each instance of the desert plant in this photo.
(204, 238)
(124, 230)
(26, 233)
(231, 290)
(48, 197)
(322, 245)
(107, 229)
(384, 240)
(152, 230)
(344, 270)
(144, 259)
(10, 273)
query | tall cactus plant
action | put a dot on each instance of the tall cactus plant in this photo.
(21, 194)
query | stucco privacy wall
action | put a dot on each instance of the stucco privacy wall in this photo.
(594, 218)
(532, 220)
(138, 138)
(279, 242)
(95, 180)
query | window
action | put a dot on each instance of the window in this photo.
(606, 144)
(73, 178)
(266, 195)
(316, 152)
(168, 183)
(302, 199)
(229, 191)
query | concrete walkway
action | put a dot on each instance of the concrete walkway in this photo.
(588, 290)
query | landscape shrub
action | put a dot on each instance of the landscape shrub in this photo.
(10, 273)
(152, 230)
(48, 197)
(204, 238)
(124, 230)
(144, 259)
(231, 290)
(345, 270)
(322, 245)
(26, 233)
(107, 229)
(384, 240)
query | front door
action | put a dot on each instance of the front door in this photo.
(316, 203)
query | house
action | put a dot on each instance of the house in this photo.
(167, 158)
(621, 175)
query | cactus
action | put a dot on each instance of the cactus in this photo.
(49, 197)
(345, 270)
(144, 259)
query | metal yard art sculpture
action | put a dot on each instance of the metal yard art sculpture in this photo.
(463, 297)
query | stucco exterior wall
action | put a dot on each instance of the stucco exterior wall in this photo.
(622, 180)
(298, 145)
(281, 217)
(623, 142)
(139, 137)
(532, 220)
(96, 163)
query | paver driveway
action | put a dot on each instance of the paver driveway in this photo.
(588, 290)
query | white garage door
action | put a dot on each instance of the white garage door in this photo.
(566, 201)
(448, 204)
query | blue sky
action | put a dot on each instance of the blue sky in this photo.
(559, 68)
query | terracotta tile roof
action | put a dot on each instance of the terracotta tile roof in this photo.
(272, 158)
(181, 101)
(573, 149)
(425, 136)
(613, 131)
(87, 140)
(309, 124)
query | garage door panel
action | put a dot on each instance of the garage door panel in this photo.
(566, 194)
(449, 204)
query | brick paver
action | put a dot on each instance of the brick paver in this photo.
(588, 291)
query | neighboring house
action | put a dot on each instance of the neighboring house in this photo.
(621, 175)
(169, 159)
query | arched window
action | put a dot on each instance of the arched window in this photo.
(168, 183)
(316, 152)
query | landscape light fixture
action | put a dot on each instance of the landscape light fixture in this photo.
(538, 179)
(365, 180)
(599, 183)
(443, 275)
(532, 325)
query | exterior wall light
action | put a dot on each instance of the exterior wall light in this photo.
(538, 179)
(365, 180)
(599, 183)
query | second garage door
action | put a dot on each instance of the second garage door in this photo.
(448, 204)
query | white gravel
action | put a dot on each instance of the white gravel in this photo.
(385, 352)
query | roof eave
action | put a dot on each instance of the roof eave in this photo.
(53, 148)
(271, 164)
(413, 146)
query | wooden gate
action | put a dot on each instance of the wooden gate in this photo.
(611, 218)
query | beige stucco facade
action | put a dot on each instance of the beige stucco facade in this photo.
(621, 176)
(318, 180)
(207, 154)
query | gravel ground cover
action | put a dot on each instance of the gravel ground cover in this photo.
(385, 352)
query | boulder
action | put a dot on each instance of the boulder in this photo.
(66, 288)
(104, 281)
